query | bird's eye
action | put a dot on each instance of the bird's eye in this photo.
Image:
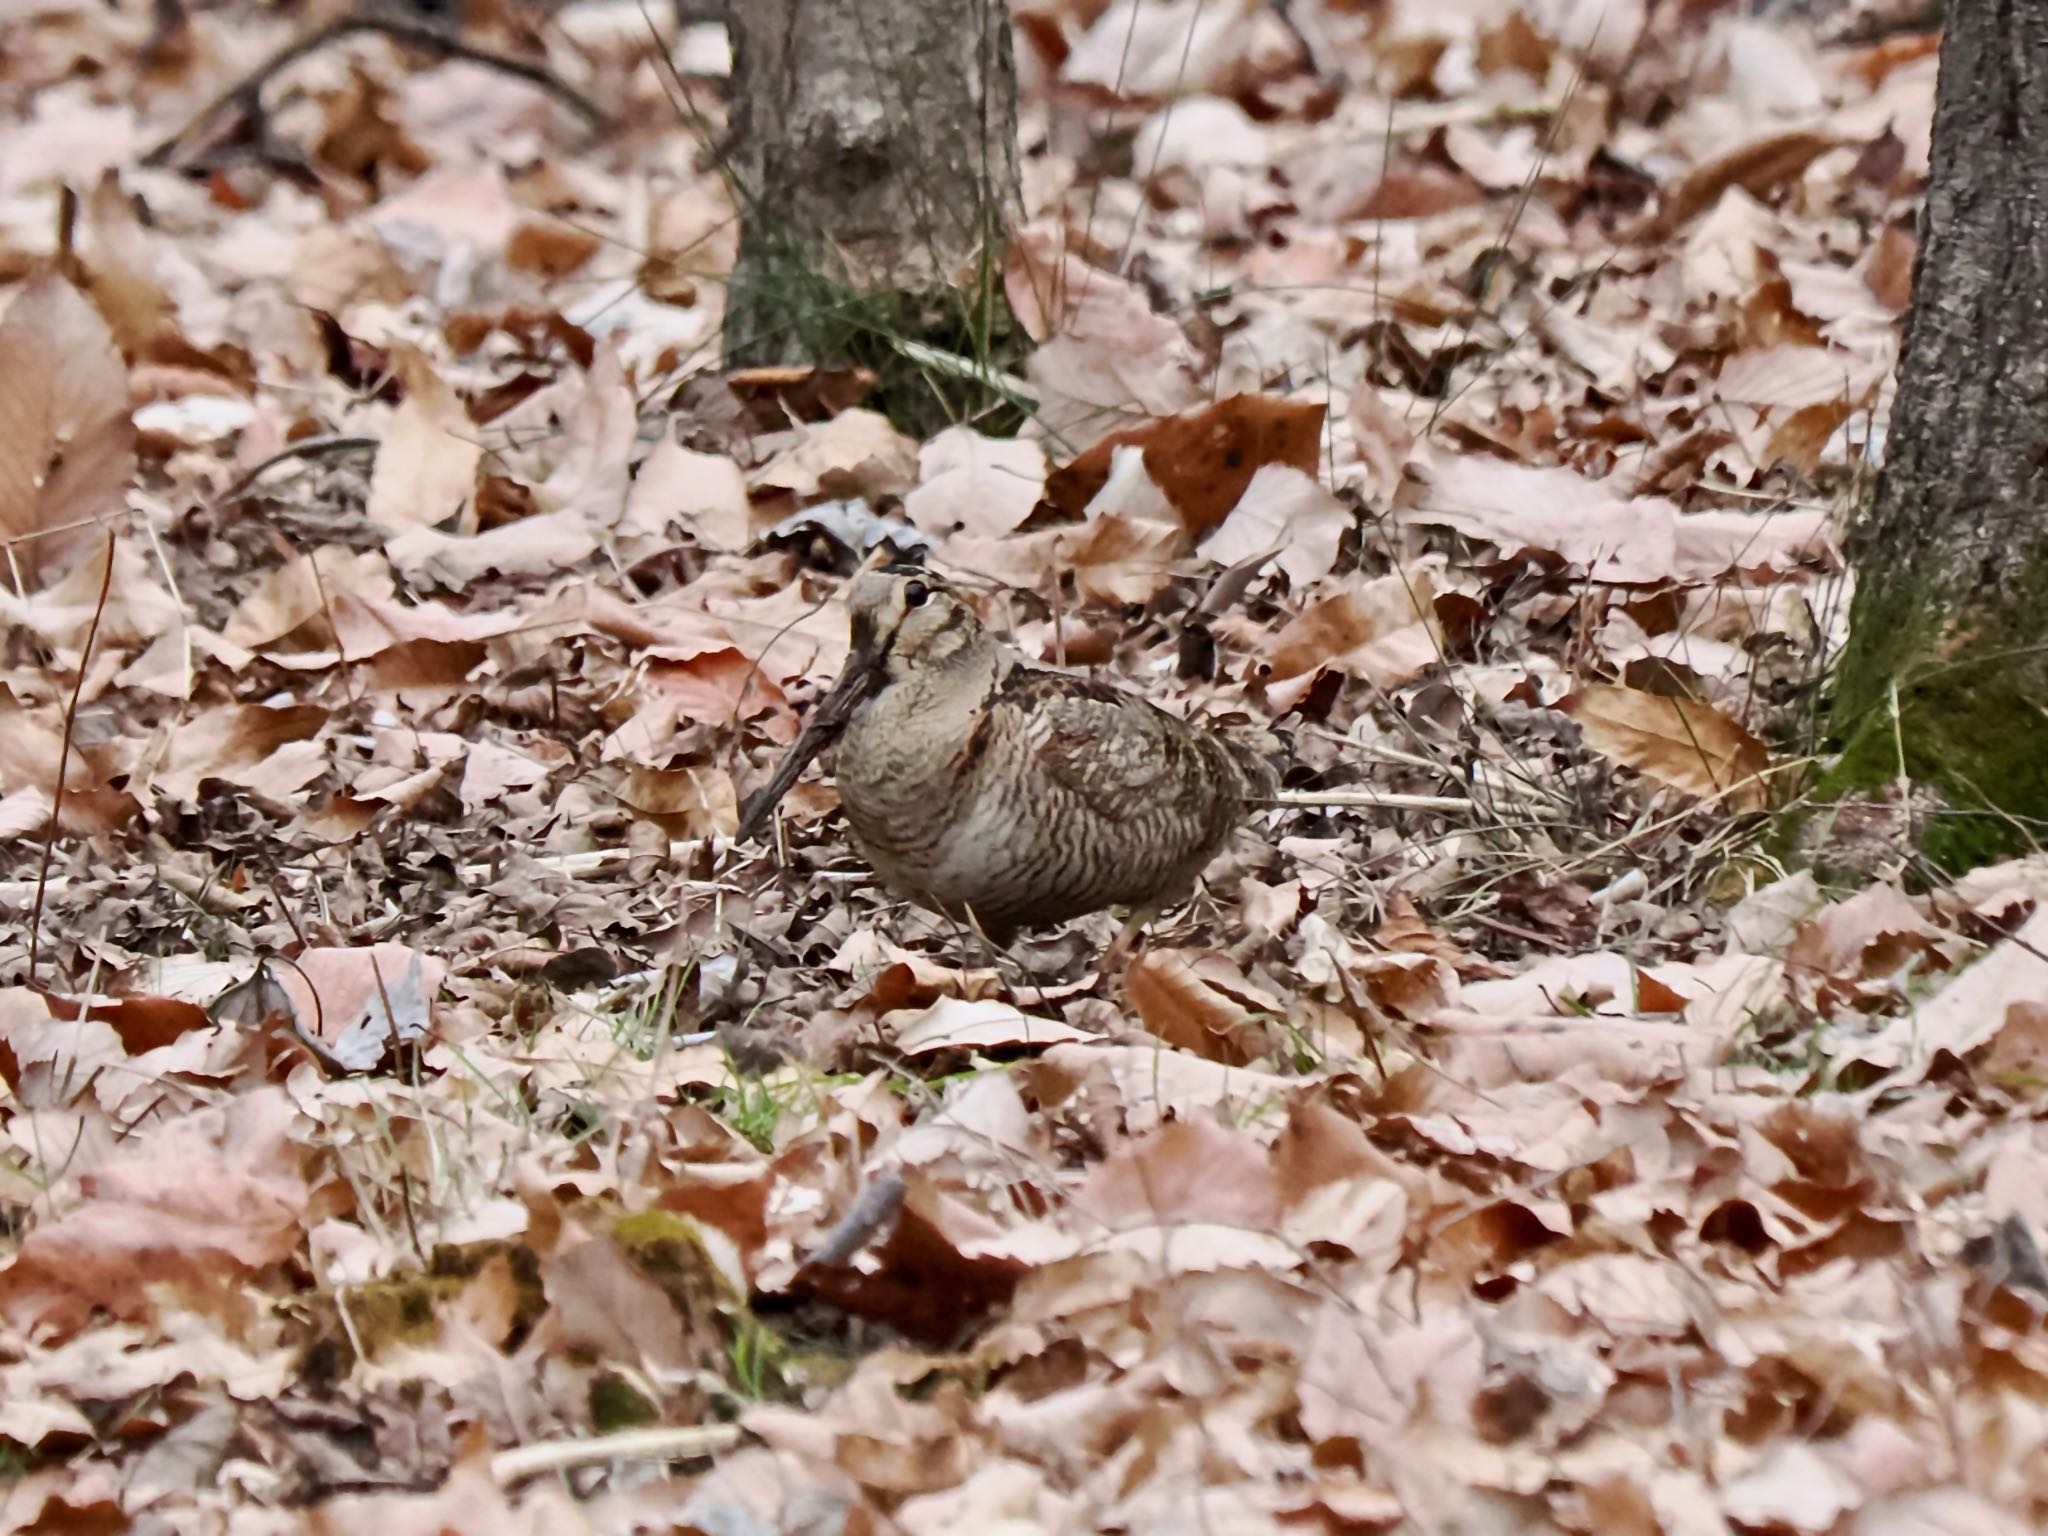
(914, 594)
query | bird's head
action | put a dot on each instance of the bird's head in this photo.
(907, 621)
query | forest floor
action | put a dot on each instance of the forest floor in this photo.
(421, 1117)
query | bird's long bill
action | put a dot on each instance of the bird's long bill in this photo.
(863, 675)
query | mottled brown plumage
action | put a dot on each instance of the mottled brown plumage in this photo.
(979, 785)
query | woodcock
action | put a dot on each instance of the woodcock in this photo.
(981, 786)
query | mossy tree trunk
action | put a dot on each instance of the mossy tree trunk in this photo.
(1946, 671)
(876, 157)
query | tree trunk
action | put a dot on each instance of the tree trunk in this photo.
(1946, 670)
(877, 168)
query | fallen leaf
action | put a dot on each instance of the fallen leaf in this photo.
(1685, 745)
(1384, 630)
(704, 492)
(1382, 439)
(1102, 353)
(1203, 461)
(1289, 514)
(1756, 167)
(67, 445)
(232, 743)
(1608, 535)
(953, 1024)
(192, 1205)
(1177, 1001)
(974, 484)
(856, 453)
(425, 473)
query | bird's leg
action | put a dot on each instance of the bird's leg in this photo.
(995, 954)
(1127, 937)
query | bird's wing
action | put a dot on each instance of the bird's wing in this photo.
(1123, 758)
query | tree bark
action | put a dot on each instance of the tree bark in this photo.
(1946, 670)
(877, 166)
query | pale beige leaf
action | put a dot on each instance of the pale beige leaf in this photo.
(532, 546)
(856, 453)
(67, 445)
(1794, 1488)
(590, 476)
(1289, 514)
(1382, 439)
(705, 492)
(973, 484)
(1608, 535)
(302, 591)
(1950, 1511)
(231, 743)
(1183, 1006)
(426, 465)
(951, 1024)
(1792, 377)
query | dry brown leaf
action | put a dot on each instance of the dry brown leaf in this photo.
(301, 592)
(1382, 437)
(1970, 1010)
(192, 1205)
(705, 492)
(1175, 48)
(1202, 461)
(589, 476)
(1756, 167)
(684, 802)
(1118, 560)
(1801, 437)
(31, 746)
(1178, 999)
(468, 1503)
(67, 445)
(1194, 1171)
(1102, 351)
(954, 1024)
(1870, 934)
(605, 1302)
(531, 546)
(550, 251)
(120, 271)
(2018, 1054)
(1794, 377)
(1890, 270)
(1417, 194)
(1686, 745)
(1384, 630)
(232, 744)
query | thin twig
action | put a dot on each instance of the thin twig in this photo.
(679, 1443)
(420, 34)
(35, 918)
(304, 448)
(1366, 799)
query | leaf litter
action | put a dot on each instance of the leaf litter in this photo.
(419, 1115)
